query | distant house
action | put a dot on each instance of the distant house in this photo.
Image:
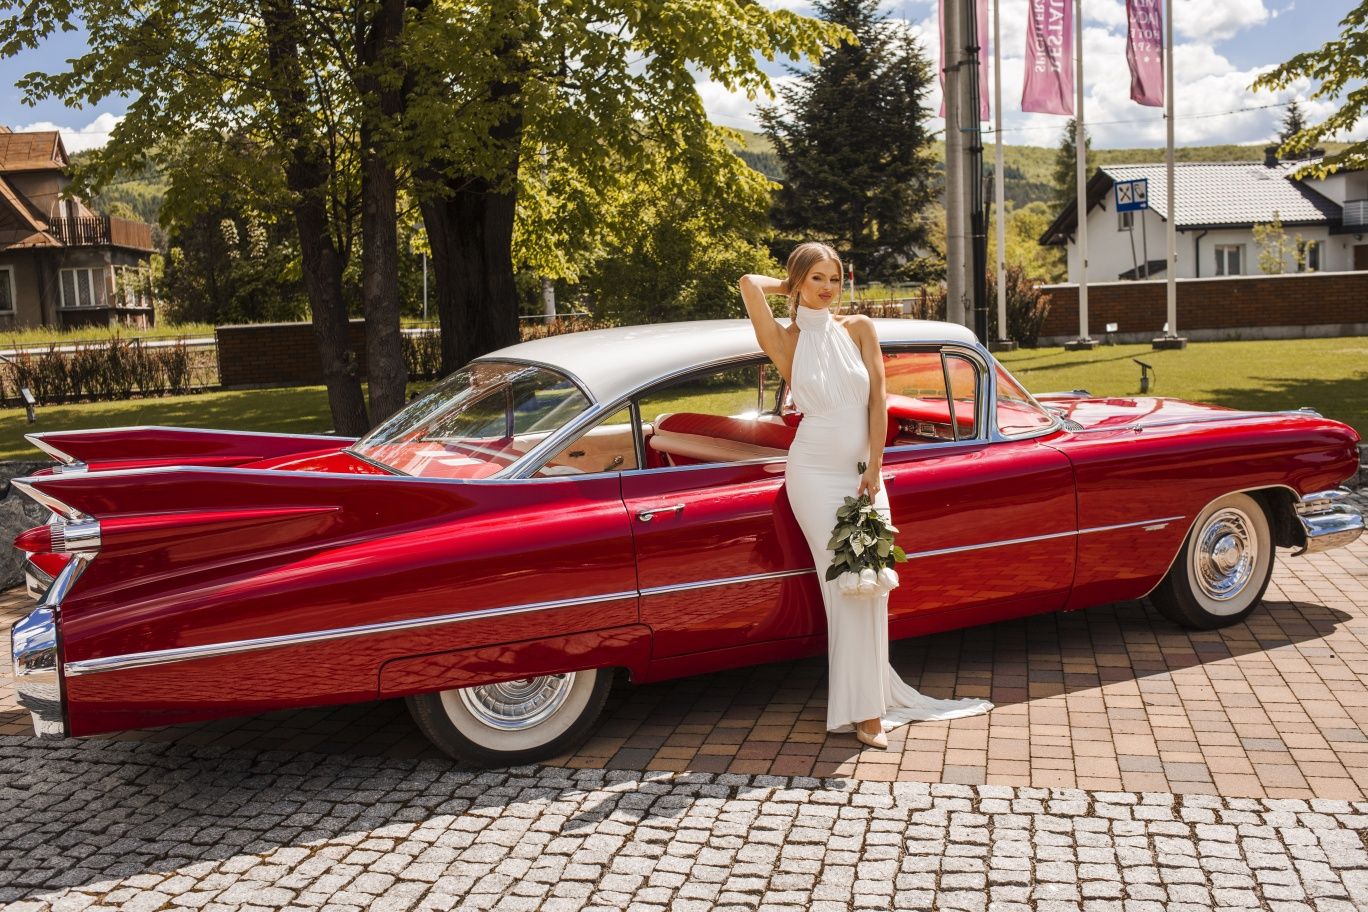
(62, 264)
(1218, 204)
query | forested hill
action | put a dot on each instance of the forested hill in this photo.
(1029, 169)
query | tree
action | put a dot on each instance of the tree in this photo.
(1340, 67)
(558, 102)
(857, 156)
(1066, 164)
(1294, 121)
(283, 76)
(1276, 248)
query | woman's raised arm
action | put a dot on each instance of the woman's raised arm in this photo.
(768, 332)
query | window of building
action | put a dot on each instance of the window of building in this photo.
(1125, 221)
(78, 287)
(1229, 259)
(1309, 256)
(6, 290)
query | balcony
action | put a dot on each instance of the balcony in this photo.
(102, 231)
(1355, 213)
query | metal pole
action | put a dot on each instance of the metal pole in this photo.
(425, 286)
(978, 216)
(1081, 150)
(999, 175)
(955, 272)
(1171, 273)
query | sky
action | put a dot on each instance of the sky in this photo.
(1222, 45)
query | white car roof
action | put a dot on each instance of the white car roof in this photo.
(614, 361)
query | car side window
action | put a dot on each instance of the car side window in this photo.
(1017, 413)
(920, 410)
(607, 446)
(714, 416)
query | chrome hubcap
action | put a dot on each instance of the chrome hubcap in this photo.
(1225, 554)
(515, 705)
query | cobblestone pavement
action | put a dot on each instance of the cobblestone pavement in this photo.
(146, 826)
(1111, 698)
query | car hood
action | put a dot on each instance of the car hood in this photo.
(1128, 411)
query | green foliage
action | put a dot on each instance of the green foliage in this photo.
(1340, 68)
(673, 246)
(1276, 248)
(1293, 122)
(851, 135)
(1027, 306)
(1066, 164)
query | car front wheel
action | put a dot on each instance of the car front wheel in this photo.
(513, 722)
(1225, 564)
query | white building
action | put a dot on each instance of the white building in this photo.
(1218, 204)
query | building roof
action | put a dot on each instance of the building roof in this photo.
(1211, 195)
(612, 362)
(37, 151)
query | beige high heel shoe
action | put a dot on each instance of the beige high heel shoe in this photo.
(879, 740)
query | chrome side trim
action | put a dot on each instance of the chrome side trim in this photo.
(723, 581)
(211, 650)
(1328, 520)
(76, 536)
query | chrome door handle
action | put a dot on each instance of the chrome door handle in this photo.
(645, 515)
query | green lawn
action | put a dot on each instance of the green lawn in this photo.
(1330, 375)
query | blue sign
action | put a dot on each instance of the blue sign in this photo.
(1132, 195)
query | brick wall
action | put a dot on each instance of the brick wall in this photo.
(276, 354)
(1261, 306)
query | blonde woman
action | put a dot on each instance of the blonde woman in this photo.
(834, 369)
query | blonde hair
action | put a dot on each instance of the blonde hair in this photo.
(800, 263)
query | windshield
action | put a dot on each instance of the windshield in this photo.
(476, 422)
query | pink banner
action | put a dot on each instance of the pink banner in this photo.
(981, 13)
(1145, 50)
(1049, 86)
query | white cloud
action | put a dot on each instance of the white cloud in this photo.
(92, 135)
(1215, 20)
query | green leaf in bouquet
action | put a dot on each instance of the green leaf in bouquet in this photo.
(884, 547)
(899, 554)
(834, 571)
(857, 546)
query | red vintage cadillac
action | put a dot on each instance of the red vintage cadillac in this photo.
(569, 506)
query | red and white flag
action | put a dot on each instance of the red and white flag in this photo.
(1145, 50)
(982, 16)
(1049, 85)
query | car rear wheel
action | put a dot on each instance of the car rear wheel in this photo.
(1225, 564)
(513, 722)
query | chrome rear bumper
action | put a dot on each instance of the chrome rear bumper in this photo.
(37, 656)
(1329, 520)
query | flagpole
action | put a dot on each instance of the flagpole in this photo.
(1002, 343)
(1170, 339)
(955, 271)
(1081, 201)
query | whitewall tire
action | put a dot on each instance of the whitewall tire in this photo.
(513, 722)
(1223, 568)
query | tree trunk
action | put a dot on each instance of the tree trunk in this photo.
(307, 178)
(386, 369)
(471, 235)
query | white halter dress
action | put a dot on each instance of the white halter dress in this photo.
(831, 388)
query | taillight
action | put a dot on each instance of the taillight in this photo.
(61, 538)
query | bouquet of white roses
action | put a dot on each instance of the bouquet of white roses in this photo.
(864, 549)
